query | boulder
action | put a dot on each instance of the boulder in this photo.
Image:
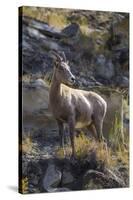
(72, 30)
(104, 68)
(35, 96)
(122, 81)
(43, 28)
(67, 177)
(118, 181)
(94, 179)
(52, 178)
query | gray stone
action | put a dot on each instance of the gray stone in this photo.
(67, 177)
(63, 189)
(104, 68)
(72, 30)
(43, 28)
(114, 113)
(52, 178)
(94, 179)
(90, 177)
(112, 176)
(122, 81)
(35, 96)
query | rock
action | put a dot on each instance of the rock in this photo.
(84, 82)
(52, 178)
(39, 39)
(80, 49)
(35, 96)
(67, 177)
(72, 30)
(94, 179)
(35, 61)
(101, 60)
(122, 81)
(116, 180)
(60, 190)
(104, 68)
(43, 28)
(35, 33)
(39, 83)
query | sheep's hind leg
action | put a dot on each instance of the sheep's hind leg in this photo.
(72, 135)
(61, 135)
(91, 128)
(99, 129)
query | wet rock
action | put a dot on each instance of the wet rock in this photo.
(52, 178)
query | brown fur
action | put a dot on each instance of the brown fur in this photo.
(77, 108)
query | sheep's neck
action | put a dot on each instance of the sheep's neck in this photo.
(55, 90)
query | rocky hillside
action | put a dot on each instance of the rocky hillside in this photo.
(96, 46)
(95, 43)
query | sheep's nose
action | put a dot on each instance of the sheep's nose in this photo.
(73, 79)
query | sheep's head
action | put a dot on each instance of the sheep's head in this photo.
(62, 69)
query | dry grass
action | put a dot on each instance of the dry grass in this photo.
(53, 17)
(57, 20)
(24, 185)
(27, 145)
(122, 155)
(104, 154)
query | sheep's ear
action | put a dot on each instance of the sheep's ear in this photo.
(56, 63)
(67, 62)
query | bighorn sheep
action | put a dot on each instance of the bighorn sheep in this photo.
(77, 108)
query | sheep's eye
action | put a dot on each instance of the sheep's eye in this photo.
(63, 68)
(60, 69)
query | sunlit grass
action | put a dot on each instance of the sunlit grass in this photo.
(27, 145)
(24, 185)
(84, 145)
(54, 18)
(109, 157)
(57, 20)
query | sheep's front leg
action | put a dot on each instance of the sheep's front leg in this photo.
(71, 124)
(61, 133)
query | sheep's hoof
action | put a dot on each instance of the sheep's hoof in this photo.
(73, 159)
(102, 139)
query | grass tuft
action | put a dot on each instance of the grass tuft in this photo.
(24, 185)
